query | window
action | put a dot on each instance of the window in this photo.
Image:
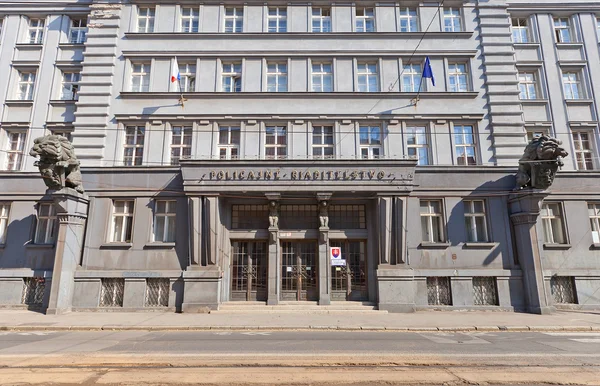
(597, 27)
(26, 85)
(475, 221)
(368, 79)
(459, 77)
(15, 149)
(408, 20)
(322, 77)
(68, 134)
(552, 224)
(432, 224)
(4, 213)
(276, 142)
(563, 289)
(520, 31)
(145, 20)
(249, 216)
(164, 221)
(534, 133)
(562, 30)
(157, 292)
(583, 150)
(347, 217)
(232, 77)
(234, 19)
(485, 292)
(1, 27)
(134, 145)
(36, 31)
(46, 218)
(187, 75)
(572, 85)
(438, 291)
(365, 19)
(322, 142)
(277, 19)
(527, 85)
(277, 79)
(181, 143)
(321, 19)
(464, 145)
(33, 291)
(190, 19)
(593, 210)
(417, 144)
(70, 86)
(298, 217)
(140, 77)
(411, 78)
(111, 293)
(78, 31)
(370, 142)
(229, 142)
(122, 223)
(452, 20)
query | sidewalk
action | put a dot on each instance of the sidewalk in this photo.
(20, 320)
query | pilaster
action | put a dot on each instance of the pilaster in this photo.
(274, 255)
(324, 264)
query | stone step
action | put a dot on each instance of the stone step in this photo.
(299, 307)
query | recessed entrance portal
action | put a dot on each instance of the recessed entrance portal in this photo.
(350, 282)
(299, 270)
(249, 271)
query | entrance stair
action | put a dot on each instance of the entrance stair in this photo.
(298, 307)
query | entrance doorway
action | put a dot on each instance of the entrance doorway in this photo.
(350, 282)
(299, 271)
(249, 270)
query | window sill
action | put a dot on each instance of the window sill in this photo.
(116, 245)
(526, 45)
(29, 45)
(534, 101)
(18, 102)
(62, 102)
(159, 245)
(71, 45)
(583, 101)
(279, 35)
(594, 246)
(39, 246)
(477, 245)
(303, 94)
(569, 45)
(430, 245)
(556, 246)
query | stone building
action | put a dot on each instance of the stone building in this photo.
(295, 129)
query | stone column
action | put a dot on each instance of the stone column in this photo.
(273, 267)
(384, 229)
(195, 230)
(71, 210)
(524, 212)
(324, 264)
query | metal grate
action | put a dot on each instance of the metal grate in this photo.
(33, 291)
(111, 294)
(249, 217)
(298, 217)
(347, 217)
(438, 291)
(157, 292)
(485, 292)
(563, 289)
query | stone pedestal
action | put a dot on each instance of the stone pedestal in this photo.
(202, 289)
(273, 277)
(71, 210)
(324, 268)
(396, 289)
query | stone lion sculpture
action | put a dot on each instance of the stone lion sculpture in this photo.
(539, 163)
(57, 162)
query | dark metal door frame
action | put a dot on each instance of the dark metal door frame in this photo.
(252, 263)
(350, 282)
(299, 270)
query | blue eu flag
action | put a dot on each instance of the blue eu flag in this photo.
(427, 72)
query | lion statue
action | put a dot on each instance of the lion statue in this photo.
(539, 163)
(57, 162)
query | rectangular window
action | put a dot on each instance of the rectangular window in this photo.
(370, 142)
(46, 219)
(584, 153)
(164, 221)
(15, 149)
(157, 292)
(411, 78)
(181, 143)
(277, 78)
(322, 142)
(232, 77)
(276, 142)
(234, 19)
(36, 31)
(70, 86)
(520, 30)
(140, 77)
(229, 142)
(78, 31)
(597, 27)
(111, 293)
(475, 222)
(452, 20)
(552, 222)
(134, 145)
(417, 144)
(459, 77)
(321, 19)
(298, 217)
(409, 21)
(438, 291)
(347, 217)
(322, 77)
(535, 133)
(277, 19)
(594, 213)
(68, 134)
(26, 85)
(33, 291)
(145, 19)
(4, 213)
(187, 74)
(563, 289)
(562, 30)
(432, 221)
(527, 85)
(368, 78)
(190, 19)
(572, 85)
(365, 19)
(465, 146)
(485, 292)
(122, 223)
(249, 217)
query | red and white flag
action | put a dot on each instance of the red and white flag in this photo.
(175, 77)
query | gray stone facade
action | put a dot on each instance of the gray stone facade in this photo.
(218, 199)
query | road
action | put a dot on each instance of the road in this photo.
(298, 357)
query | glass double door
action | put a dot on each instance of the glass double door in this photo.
(350, 282)
(299, 277)
(249, 270)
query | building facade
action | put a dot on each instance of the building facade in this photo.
(296, 128)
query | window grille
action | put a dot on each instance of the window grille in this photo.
(563, 289)
(33, 291)
(485, 292)
(157, 292)
(438, 291)
(593, 211)
(411, 78)
(111, 294)
(347, 217)
(298, 217)
(187, 75)
(249, 217)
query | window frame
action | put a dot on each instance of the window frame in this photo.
(277, 74)
(49, 235)
(36, 34)
(594, 221)
(520, 28)
(366, 72)
(170, 219)
(322, 135)
(5, 207)
(449, 14)
(546, 219)
(411, 129)
(128, 215)
(585, 163)
(144, 74)
(429, 215)
(187, 74)
(364, 20)
(149, 17)
(191, 18)
(233, 74)
(471, 221)
(559, 29)
(136, 145)
(412, 21)
(408, 71)
(322, 20)
(569, 92)
(370, 145)
(535, 132)
(19, 153)
(70, 88)
(187, 131)
(231, 145)
(464, 145)
(276, 145)
(29, 83)
(526, 85)
(322, 75)
(237, 19)
(81, 31)
(455, 73)
(280, 19)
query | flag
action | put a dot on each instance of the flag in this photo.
(427, 72)
(175, 77)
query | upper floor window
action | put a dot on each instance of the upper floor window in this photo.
(535, 133)
(46, 218)
(594, 214)
(181, 143)
(368, 78)
(187, 77)
(26, 85)
(409, 21)
(229, 142)
(321, 19)
(365, 19)
(234, 19)
(140, 77)
(276, 142)
(475, 222)
(15, 149)
(277, 19)
(322, 77)
(232, 77)
(417, 144)
(164, 221)
(68, 134)
(78, 31)
(411, 78)
(277, 79)
(4, 213)
(458, 76)
(370, 142)
(563, 30)
(551, 215)
(520, 30)
(572, 85)
(133, 152)
(432, 221)
(452, 20)
(583, 150)
(322, 142)
(36, 31)
(145, 19)
(122, 221)
(190, 19)
(464, 145)
(527, 85)
(597, 26)
(70, 86)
